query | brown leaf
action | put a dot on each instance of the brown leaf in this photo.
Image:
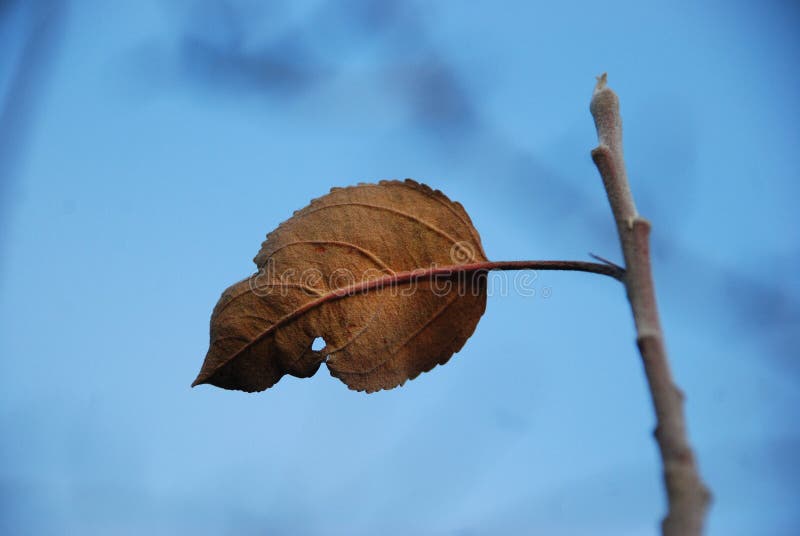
(263, 327)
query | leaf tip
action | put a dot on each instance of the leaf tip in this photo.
(203, 377)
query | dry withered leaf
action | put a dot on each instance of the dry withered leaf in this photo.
(263, 327)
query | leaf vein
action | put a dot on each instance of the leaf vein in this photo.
(430, 226)
(367, 253)
(408, 339)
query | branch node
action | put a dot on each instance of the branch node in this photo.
(643, 223)
(645, 335)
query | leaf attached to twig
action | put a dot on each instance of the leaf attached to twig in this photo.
(330, 271)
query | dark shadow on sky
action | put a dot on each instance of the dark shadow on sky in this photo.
(40, 25)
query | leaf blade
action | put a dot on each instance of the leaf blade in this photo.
(366, 231)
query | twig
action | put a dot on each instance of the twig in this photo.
(688, 497)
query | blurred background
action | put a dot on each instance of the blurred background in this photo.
(147, 147)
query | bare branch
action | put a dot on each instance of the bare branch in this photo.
(688, 497)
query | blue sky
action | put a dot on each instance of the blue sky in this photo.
(147, 148)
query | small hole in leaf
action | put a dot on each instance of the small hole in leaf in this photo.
(318, 344)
